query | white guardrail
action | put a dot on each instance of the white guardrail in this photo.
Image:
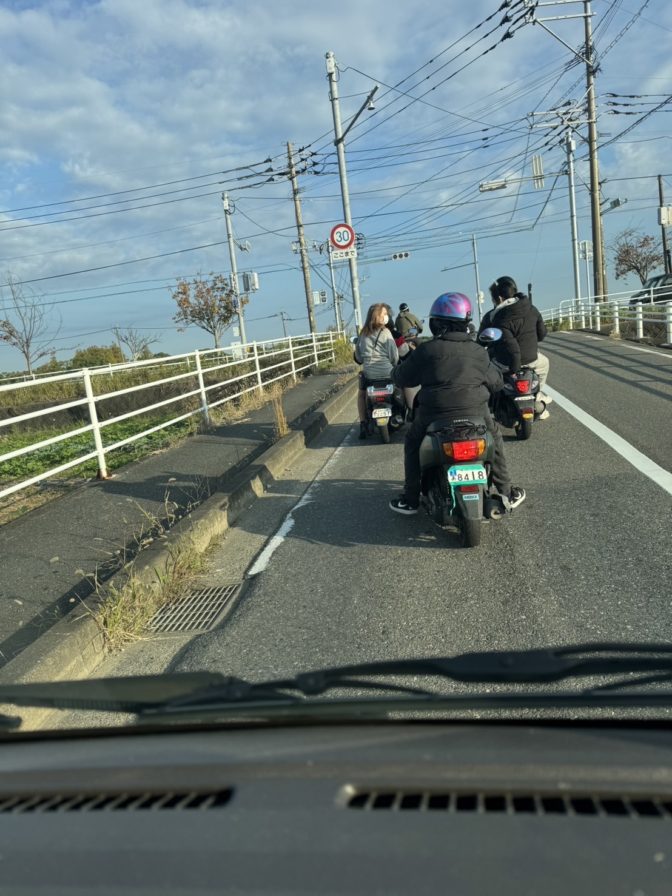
(612, 312)
(203, 372)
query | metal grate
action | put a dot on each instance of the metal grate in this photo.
(114, 802)
(200, 611)
(514, 804)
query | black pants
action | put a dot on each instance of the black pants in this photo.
(414, 437)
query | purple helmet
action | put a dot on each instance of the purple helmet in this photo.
(451, 306)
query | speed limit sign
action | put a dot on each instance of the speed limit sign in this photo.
(342, 236)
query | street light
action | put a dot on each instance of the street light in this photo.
(339, 138)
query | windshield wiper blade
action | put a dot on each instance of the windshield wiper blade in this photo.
(186, 690)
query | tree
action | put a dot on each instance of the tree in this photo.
(135, 342)
(636, 253)
(97, 356)
(208, 304)
(27, 326)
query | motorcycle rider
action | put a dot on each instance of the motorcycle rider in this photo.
(406, 321)
(522, 329)
(377, 352)
(456, 377)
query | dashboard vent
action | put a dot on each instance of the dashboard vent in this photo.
(513, 803)
(114, 802)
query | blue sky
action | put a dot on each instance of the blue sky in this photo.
(123, 122)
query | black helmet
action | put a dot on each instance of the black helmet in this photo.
(403, 307)
(503, 288)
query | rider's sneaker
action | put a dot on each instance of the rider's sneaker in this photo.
(544, 415)
(401, 505)
(545, 398)
(516, 497)
(363, 429)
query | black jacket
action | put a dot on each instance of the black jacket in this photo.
(455, 374)
(522, 329)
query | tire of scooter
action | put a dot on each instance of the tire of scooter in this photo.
(470, 532)
(523, 430)
(384, 432)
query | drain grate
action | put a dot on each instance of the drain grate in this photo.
(200, 611)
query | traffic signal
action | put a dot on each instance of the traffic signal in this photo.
(399, 255)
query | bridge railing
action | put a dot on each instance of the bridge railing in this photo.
(85, 408)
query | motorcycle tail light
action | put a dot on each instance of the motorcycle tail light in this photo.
(469, 489)
(469, 450)
(523, 386)
(528, 415)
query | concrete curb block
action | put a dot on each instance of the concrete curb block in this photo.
(75, 646)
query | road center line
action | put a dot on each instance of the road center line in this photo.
(640, 461)
(635, 348)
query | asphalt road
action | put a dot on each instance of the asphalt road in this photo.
(333, 576)
(586, 557)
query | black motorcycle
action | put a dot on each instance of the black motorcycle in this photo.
(517, 405)
(385, 410)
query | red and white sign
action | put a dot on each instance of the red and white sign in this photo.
(342, 236)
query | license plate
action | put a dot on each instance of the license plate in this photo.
(381, 412)
(468, 474)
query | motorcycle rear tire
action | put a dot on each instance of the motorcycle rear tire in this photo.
(384, 434)
(470, 532)
(524, 430)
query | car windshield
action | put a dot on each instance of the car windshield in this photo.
(248, 428)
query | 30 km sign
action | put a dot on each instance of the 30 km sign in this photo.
(342, 236)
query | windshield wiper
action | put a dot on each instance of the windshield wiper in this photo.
(156, 694)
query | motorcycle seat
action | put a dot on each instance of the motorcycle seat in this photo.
(448, 423)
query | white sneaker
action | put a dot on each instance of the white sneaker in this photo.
(544, 415)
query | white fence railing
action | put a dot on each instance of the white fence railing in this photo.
(199, 376)
(615, 310)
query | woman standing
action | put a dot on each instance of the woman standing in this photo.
(377, 352)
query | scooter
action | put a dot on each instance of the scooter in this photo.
(517, 405)
(456, 490)
(385, 410)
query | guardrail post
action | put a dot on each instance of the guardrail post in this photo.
(315, 350)
(668, 323)
(570, 316)
(598, 317)
(331, 345)
(582, 316)
(617, 320)
(639, 320)
(93, 417)
(291, 358)
(201, 386)
(257, 366)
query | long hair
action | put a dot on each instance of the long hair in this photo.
(374, 319)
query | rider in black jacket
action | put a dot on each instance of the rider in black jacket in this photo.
(522, 330)
(456, 378)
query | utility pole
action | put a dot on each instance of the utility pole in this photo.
(302, 240)
(334, 293)
(600, 285)
(571, 146)
(282, 315)
(234, 269)
(339, 137)
(666, 251)
(479, 301)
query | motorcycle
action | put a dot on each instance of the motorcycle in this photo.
(385, 410)
(456, 485)
(517, 405)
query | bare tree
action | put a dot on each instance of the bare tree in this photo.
(208, 304)
(636, 253)
(27, 326)
(137, 344)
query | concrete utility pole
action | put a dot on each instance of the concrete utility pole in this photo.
(571, 146)
(234, 269)
(302, 240)
(599, 276)
(666, 251)
(339, 137)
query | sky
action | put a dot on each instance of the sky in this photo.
(123, 123)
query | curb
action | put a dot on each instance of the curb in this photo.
(75, 646)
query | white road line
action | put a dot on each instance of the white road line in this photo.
(635, 348)
(264, 558)
(640, 461)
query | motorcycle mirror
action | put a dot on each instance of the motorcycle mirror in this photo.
(490, 335)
